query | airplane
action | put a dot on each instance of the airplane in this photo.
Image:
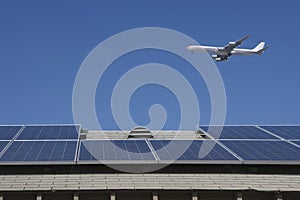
(223, 53)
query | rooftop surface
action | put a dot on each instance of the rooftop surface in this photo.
(75, 182)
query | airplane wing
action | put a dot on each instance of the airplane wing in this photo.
(231, 45)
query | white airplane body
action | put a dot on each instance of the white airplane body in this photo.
(222, 53)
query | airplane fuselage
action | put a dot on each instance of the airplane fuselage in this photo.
(219, 50)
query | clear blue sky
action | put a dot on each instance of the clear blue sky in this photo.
(42, 45)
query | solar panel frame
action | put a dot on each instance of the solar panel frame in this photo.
(81, 160)
(50, 161)
(273, 129)
(295, 142)
(28, 137)
(230, 132)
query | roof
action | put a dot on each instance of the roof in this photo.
(73, 177)
(89, 182)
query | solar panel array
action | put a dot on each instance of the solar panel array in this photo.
(259, 144)
(190, 150)
(274, 150)
(39, 144)
(40, 151)
(60, 144)
(66, 132)
(285, 132)
(237, 132)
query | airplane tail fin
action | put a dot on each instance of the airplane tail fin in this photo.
(260, 48)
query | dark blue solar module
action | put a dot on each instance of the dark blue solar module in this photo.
(3, 144)
(264, 150)
(8, 132)
(105, 150)
(286, 132)
(67, 132)
(296, 142)
(237, 132)
(40, 151)
(189, 150)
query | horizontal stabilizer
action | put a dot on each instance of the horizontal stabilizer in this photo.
(262, 50)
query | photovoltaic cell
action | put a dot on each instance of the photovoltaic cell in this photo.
(8, 132)
(264, 150)
(190, 150)
(286, 132)
(62, 132)
(3, 144)
(40, 151)
(105, 150)
(237, 132)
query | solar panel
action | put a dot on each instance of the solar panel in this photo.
(237, 132)
(63, 132)
(191, 150)
(8, 132)
(40, 151)
(286, 132)
(272, 150)
(112, 150)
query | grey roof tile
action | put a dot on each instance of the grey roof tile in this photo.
(150, 181)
